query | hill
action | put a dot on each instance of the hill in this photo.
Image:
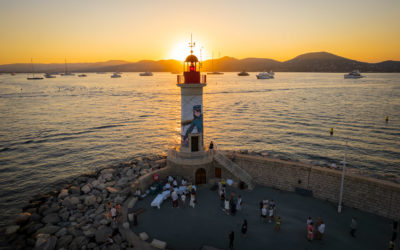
(309, 62)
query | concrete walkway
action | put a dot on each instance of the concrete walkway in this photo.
(207, 224)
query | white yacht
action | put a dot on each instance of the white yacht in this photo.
(116, 75)
(353, 75)
(265, 75)
(147, 73)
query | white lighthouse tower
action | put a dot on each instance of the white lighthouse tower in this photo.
(192, 84)
(190, 158)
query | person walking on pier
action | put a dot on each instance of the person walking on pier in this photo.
(310, 231)
(353, 227)
(244, 228)
(231, 238)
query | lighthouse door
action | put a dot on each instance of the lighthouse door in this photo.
(194, 143)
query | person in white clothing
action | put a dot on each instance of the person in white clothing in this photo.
(263, 213)
(226, 206)
(174, 183)
(239, 203)
(183, 198)
(113, 213)
(321, 231)
(309, 220)
(271, 214)
(170, 179)
(192, 200)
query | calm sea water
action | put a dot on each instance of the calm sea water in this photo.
(54, 129)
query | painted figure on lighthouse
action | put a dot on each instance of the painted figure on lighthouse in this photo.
(191, 84)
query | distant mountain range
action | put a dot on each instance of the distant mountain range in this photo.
(309, 62)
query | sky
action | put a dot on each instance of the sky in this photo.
(50, 31)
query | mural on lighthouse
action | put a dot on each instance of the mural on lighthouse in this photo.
(191, 84)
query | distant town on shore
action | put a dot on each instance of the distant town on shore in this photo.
(309, 62)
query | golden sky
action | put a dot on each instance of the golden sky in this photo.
(100, 30)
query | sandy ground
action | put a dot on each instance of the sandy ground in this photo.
(188, 228)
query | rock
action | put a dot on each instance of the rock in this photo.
(48, 229)
(89, 233)
(35, 217)
(63, 193)
(53, 209)
(107, 171)
(158, 244)
(119, 199)
(107, 177)
(87, 188)
(117, 239)
(129, 173)
(34, 228)
(130, 217)
(125, 225)
(64, 216)
(143, 236)
(22, 218)
(122, 182)
(70, 201)
(45, 242)
(51, 219)
(64, 241)
(75, 190)
(112, 190)
(92, 245)
(63, 231)
(30, 242)
(90, 200)
(102, 234)
(12, 230)
(80, 241)
(101, 186)
(114, 247)
(132, 202)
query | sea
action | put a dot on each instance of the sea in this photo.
(52, 130)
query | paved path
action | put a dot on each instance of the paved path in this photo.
(207, 224)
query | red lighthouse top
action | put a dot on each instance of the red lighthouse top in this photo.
(191, 69)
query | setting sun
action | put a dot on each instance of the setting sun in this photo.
(181, 50)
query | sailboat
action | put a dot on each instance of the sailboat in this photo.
(66, 73)
(212, 68)
(33, 74)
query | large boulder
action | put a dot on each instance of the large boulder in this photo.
(51, 219)
(45, 242)
(22, 218)
(90, 200)
(87, 188)
(112, 190)
(64, 241)
(63, 193)
(102, 234)
(159, 244)
(12, 230)
(48, 229)
(63, 231)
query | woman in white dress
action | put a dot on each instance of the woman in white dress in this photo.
(192, 199)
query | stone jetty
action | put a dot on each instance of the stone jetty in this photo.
(76, 216)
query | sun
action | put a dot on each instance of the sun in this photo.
(181, 50)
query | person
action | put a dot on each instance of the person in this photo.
(211, 145)
(170, 179)
(232, 204)
(183, 182)
(174, 197)
(244, 228)
(222, 198)
(392, 244)
(118, 207)
(309, 220)
(310, 231)
(183, 198)
(138, 194)
(174, 183)
(353, 227)
(226, 206)
(278, 222)
(271, 214)
(109, 206)
(321, 230)
(194, 125)
(192, 200)
(239, 203)
(113, 213)
(263, 213)
(231, 238)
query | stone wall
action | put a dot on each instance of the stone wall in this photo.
(367, 194)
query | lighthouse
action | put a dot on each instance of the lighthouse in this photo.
(191, 84)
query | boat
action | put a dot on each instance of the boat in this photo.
(33, 74)
(243, 73)
(66, 73)
(212, 68)
(49, 75)
(265, 75)
(147, 73)
(353, 75)
(115, 75)
(82, 75)
(13, 74)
